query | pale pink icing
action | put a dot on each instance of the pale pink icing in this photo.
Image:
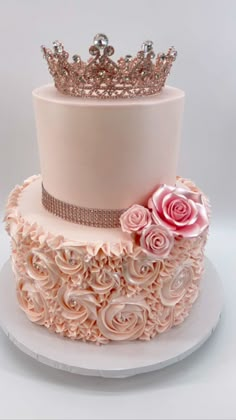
(101, 291)
(174, 287)
(138, 270)
(32, 301)
(123, 318)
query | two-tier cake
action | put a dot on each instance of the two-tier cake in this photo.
(108, 243)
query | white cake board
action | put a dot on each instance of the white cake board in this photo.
(117, 359)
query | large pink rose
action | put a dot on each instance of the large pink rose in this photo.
(157, 241)
(180, 210)
(135, 219)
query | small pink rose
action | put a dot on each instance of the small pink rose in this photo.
(180, 210)
(157, 241)
(135, 219)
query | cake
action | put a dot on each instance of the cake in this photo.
(108, 242)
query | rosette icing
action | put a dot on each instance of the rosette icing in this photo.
(41, 268)
(164, 318)
(123, 319)
(174, 288)
(70, 260)
(103, 291)
(78, 304)
(104, 280)
(141, 271)
(32, 301)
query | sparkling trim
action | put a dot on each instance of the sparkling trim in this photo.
(101, 218)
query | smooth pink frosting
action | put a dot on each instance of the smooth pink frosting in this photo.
(98, 291)
(107, 154)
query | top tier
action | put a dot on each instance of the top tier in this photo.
(107, 154)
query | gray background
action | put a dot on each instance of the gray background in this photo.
(203, 33)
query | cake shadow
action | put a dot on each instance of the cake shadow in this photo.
(174, 375)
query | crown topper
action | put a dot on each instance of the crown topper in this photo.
(101, 77)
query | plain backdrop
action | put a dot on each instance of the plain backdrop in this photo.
(204, 33)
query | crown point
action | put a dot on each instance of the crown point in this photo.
(43, 49)
(128, 58)
(163, 57)
(100, 41)
(102, 73)
(76, 58)
(57, 47)
(109, 50)
(147, 46)
(173, 52)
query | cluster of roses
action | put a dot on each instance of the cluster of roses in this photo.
(171, 212)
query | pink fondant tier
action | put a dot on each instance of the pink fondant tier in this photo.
(98, 284)
(107, 154)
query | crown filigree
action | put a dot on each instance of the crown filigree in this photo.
(101, 77)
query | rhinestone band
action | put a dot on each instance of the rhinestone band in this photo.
(100, 218)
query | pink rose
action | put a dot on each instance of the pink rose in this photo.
(157, 241)
(135, 219)
(180, 210)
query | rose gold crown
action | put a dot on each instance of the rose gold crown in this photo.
(101, 77)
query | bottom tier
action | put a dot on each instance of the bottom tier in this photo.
(98, 284)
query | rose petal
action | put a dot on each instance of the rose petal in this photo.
(190, 195)
(167, 202)
(202, 219)
(190, 216)
(155, 202)
(162, 222)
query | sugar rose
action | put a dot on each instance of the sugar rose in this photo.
(157, 241)
(135, 219)
(180, 210)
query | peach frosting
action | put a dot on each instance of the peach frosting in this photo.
(101, 291)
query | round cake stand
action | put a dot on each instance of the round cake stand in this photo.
(117, 359)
